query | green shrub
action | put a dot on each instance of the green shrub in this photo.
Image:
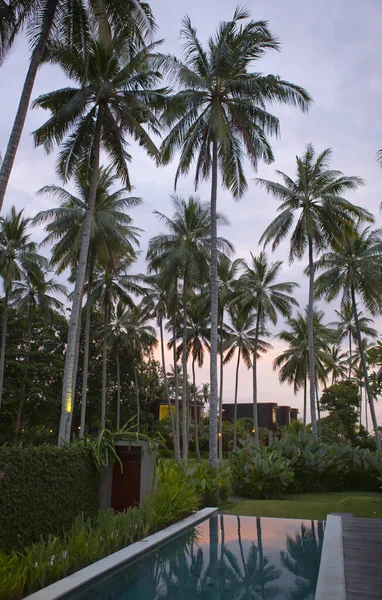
(42, 490)
(260, 472)
(211, 485)
(89, 540)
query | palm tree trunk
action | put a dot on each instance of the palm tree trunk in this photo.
(104, 374)
(305, 405)
(184, 363)
(23, 391)
(195, 412)
(312, 394)
(235, 405)
(67, 398)
(76, 359)
(176, 382)
(177, 458)
(137, 398)
(22, 110)
(360, 406)
(350, 355)
(365, 373)
(221, 388)
(3, 344)
(254, 381)
(366, 415)
(88, 313)
(214, 312)
(318, 413)
(241, 547)
(118, 390)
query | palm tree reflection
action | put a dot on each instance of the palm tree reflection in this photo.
(303, 560)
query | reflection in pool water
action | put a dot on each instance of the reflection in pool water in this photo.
(223, 558)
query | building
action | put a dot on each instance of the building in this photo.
(269, 415)
(163, 411)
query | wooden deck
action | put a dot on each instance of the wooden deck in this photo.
(362, 541)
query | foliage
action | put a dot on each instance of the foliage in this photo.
(260, 472)
(342, 400)
(89, 540)
(42, 490)
(205, 480)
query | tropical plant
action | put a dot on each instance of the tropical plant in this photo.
(18, 258)
(293, 363)
(353, 269)
(70, 23)
(227, 271)
(217, 116)
(184, 254)
(259, 291)
(339, 362)
(112, 101)
(112, 235)
(314, 206)
(33, 294)
(347, 328)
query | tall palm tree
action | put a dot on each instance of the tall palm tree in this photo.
(112, 283)
(184, 253)
(339, 360)
(240, 339)
(314, 212)
(18, 257)
(293, 363)
(156, 300)
(217, 117)
(35, 294)
(69, 21)
(197, 340)
(110, 103)
(227, 272)
(259, 291)
(112, 235)
(347, 328)
(353, 269)
(129, 329)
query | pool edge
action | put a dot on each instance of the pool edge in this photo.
(331, 575)
(69, 584)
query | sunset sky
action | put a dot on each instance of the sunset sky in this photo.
(332, 48)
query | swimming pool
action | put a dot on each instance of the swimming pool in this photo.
(222, 558)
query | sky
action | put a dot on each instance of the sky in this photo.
(330, 47)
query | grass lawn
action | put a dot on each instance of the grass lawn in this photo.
(307, 506)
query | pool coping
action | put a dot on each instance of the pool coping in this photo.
(331, 575)
(69, 584)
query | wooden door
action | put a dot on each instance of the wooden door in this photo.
(126, 485)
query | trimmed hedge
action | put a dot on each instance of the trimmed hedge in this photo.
(42, 490)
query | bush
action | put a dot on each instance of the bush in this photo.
(42, 490)
(203, 479)
(89, 540)
(260, 473)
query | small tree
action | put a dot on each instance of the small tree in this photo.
(342, 401)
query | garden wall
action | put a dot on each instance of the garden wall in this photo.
(42, 490)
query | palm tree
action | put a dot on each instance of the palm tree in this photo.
(111, 102)
(68, 21)
(259, 291)
(351, 269)
(227, 271)
(129, 329)
(315, 200)
(293, 363)
(240, 339)
(112, 283)
(112, 235)
(217, 116)
(197, 340)
(33, 295)
(347, 328)
(156, 300)
(185, 253)
(18, 257)
(339, 360)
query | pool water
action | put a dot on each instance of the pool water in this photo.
(222, 558)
